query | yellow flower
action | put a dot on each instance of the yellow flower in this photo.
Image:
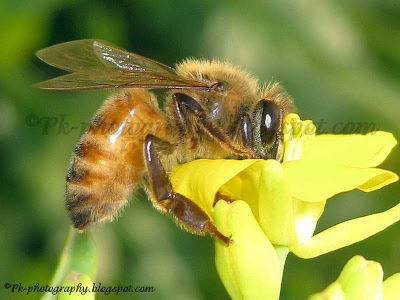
(361, 280)
(277, 205)
(288, 198)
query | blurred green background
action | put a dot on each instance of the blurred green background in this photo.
(340, 60)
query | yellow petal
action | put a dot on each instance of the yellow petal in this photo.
(260, 183)
(307, 215)
(314, 181)
(245, 186)
(355, 150)
(297, 136)
(264, 188)
(346, 233)
(249, 267)
(200, 179)
(379, 181)
(391, 288)
(276, 206)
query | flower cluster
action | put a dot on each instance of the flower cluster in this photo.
(277, 205)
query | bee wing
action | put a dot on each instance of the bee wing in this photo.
(96, 64)
(103, 78)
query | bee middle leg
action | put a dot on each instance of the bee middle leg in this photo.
(187, 213)
(220, 196)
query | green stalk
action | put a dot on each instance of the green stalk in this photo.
(282, 253)
(79, 255)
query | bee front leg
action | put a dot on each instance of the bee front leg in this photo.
(187, 213)
(183, 103)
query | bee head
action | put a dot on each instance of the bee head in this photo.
(234, 92)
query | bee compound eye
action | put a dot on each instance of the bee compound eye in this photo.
(270, 118)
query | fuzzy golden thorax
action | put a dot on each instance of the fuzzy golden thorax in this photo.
(235, 94)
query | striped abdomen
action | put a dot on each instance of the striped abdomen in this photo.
(108, 160)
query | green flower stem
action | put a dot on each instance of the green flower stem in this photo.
(282, 253)
(79, 255)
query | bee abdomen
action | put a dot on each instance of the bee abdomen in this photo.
(84, 209)
(108, 161)
(93, 191)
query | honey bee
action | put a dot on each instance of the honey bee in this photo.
(211, 110)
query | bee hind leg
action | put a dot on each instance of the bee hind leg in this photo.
(187, 213)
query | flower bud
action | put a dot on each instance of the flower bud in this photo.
(391, 287)
(332, 292)
(361, 279)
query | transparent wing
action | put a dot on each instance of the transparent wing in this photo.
(78, 55)
(122, 59)
(96, 64)
(101, 78)
(71, 56)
